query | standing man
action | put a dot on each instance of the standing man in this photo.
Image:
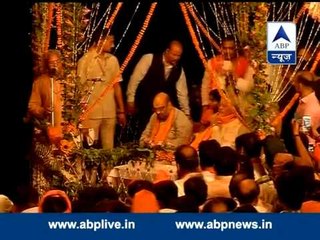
(156, 73)
(304, 83)
(45, 106)
(226, 69)
(97, 69)
(45, 102)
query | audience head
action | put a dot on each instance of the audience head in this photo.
(173, 52)
(235, 181)
(166, 192)
(187, 159)
(292, 186)
(138, 185)
(162, 106)
(247, 192)
(304, 80)
(144, 201)
(55, 201)
(208, 153)
(227, 163)
(219, 205)
(6, 205)
(197, 188)
(249, 144)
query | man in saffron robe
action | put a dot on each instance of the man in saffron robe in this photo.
(168, 127)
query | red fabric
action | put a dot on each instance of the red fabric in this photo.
(241, 66)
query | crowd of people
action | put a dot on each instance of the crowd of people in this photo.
(222, 166)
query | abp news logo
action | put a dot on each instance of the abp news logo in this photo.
(281, 43)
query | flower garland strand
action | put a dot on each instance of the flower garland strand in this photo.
(202, 28)
(48, 28)
(59, 25)
(38, 33)
(113, 16)
(193, 34)
(125, 62)
(110, 23)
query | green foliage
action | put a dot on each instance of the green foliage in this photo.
(261, 110)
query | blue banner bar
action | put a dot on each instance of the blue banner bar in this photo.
(282, 57)
(287, 226)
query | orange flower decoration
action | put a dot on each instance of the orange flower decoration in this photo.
(242, 65)
(66, 146)
(54, 134)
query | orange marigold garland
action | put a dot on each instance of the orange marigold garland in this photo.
(110, 22)
(113, 16)
(59, 25)
(193, 34)
(202, 28)
(125, 62)
(48, 28)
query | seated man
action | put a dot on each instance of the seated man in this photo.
(226, 126)
(168, 126)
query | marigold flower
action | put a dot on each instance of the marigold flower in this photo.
(66, 146)
(54, 134)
